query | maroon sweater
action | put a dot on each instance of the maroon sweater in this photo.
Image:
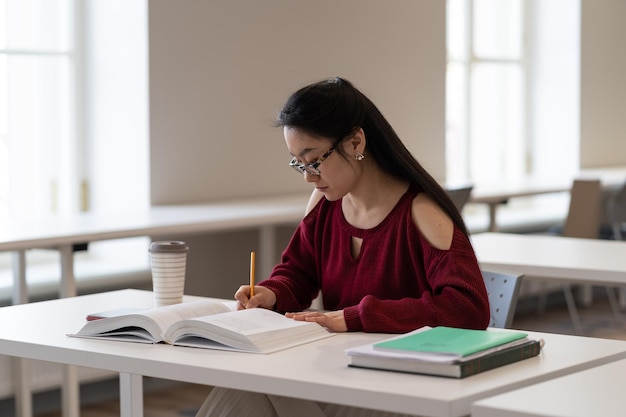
(397, 283)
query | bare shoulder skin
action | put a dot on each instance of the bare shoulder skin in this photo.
(432, 222)
(315, 197)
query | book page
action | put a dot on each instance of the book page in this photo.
(255, 320)
(166, 316)
(253, 330)
(151, 324)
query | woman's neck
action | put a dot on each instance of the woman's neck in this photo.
(372, 200)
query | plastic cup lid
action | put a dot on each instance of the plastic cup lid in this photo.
(168, 247)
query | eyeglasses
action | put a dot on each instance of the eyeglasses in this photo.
(312, 167)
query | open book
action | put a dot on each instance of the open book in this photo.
(207, 324)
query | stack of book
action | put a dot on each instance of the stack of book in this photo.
(446, 351)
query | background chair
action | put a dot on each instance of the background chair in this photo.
(585, 209)
(583, 220)
(460, 195)
(616, 215)
(616, 212)
(502, 290)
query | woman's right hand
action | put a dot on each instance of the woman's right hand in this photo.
(263, 297)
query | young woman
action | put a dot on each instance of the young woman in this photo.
(381, 240)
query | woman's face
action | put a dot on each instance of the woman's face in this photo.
(338, 175)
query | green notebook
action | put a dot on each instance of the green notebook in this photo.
(450, 341)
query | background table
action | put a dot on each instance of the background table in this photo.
(315, 371)
(63, 233)
(557, 258)
(597, 392)
(584, 261)
(500, 192)
(494, 195)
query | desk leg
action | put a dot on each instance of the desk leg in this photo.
(267, 247)
(70, 396)
(21, 382)
(493, 208)
(70, 390)
(68, 282)
(20, 290)
(573, 312)
(21, 367)
(131, 395)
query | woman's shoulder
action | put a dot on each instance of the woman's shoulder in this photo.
(432, 221)
(314, 199)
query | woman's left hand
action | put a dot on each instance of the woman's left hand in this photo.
(332, 320)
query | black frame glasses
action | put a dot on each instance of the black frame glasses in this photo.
(312, 167)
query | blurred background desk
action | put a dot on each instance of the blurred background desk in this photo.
(494, 195)
(562, 259)
(498, 193)
(66, 234)
(594, 392)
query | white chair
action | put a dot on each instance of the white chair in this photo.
(502, 289)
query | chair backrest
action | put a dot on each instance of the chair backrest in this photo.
(585, 209)
(502, 289)
(616, 211)
(460, 195)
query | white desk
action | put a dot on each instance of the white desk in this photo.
(62, 233)
(316, 371)
(498, 193)
(494, 195)
(563, 259)
(597, 392)
(583, 261)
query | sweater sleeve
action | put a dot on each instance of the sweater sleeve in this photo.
(295, 279)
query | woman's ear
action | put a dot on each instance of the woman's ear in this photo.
(358, 140)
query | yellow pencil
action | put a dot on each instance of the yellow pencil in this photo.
(251, 274)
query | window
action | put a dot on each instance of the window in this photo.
(486, 90)
(512, 89)
(38, 141)
(73, 107)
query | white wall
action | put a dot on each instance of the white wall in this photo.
(603, 83)
(219, 72)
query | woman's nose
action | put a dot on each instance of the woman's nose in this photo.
(310, 177)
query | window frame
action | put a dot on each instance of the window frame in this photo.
(459, 166)
(62, 192)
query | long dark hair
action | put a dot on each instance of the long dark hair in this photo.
(334, 108)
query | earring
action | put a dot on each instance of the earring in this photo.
(359, 156)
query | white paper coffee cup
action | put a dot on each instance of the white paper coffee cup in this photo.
(168, 261)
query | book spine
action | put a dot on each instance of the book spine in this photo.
(500, 358)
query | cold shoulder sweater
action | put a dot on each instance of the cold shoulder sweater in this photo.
(397, 283)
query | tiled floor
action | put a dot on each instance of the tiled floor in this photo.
(597, 320)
